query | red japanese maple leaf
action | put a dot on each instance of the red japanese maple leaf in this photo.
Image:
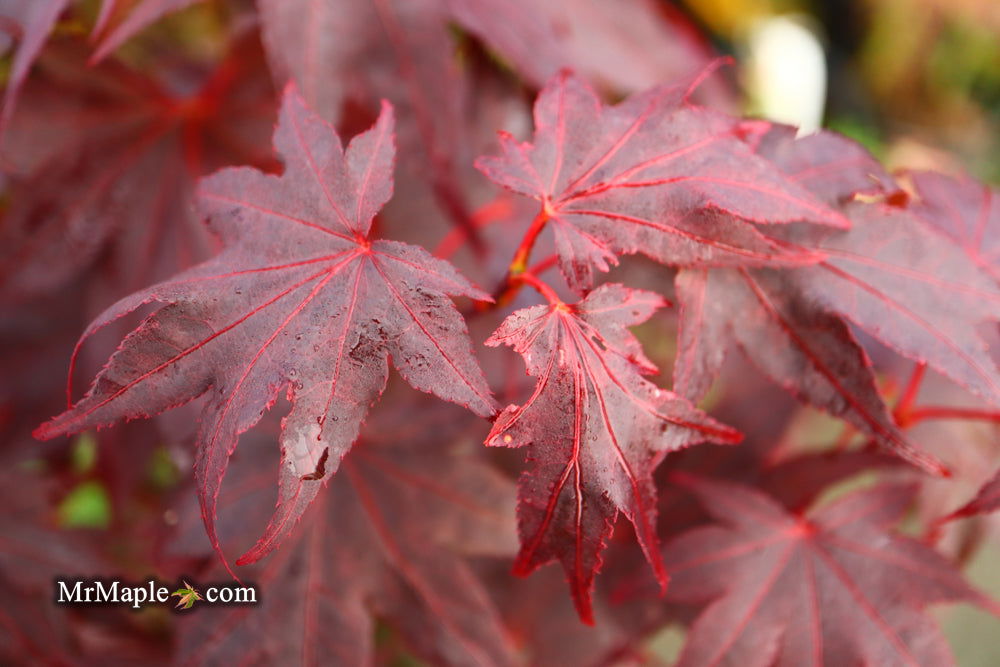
(300, 299)
(345, 56)
(97, 148)
(913, 289)
(833, 586)
(890, 274)
(965, 209)
(808, 351)
(636, 176)
(596, 429)
(388, 542)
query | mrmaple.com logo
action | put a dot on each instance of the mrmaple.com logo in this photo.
(115, 592)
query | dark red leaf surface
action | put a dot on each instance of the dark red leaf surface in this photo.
(299, 300)
(265, 298)
(596, 430)
(912, 288)
(388, 543)
(965, 209)
(636, 176)
(832, 587)
(808, 351)
(889, 274)
(100, 148)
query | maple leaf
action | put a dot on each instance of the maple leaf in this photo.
(96, 148)
(805, 349)
(889, 273)
(388, 545)
(346, 56)
(965, 209)
(596, 429)
(912, 288)
(833, 586)
(635, 177)
(299, 299)
(187, 596)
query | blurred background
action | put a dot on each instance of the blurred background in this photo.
(917, 81)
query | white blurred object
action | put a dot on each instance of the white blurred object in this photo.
(786, 72)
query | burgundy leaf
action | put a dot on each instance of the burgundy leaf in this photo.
(964, 209)
(625, 47)
(596, 430)
(631, 178)
(300, 299)
(913, 289)
(890, 273)
(388, 542)
(832, 587)
(808, 351)
(105, 146)
(347, 56)
(829, 165)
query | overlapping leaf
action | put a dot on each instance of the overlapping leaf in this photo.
(625, 47)
(386, 545)
(300, 299)
(806, 350)
(832, 587)
(596, 430)
(913, 289)
(889, 273)
(637, 177)
(102, 148)
(966, 210)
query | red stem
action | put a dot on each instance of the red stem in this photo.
(518, 272)
(520, 262)
(544, 265)
(543, 288)
(945, 412)
(903, 408)
(487, 214)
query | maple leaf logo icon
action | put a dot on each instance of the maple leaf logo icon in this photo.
(188, 596)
